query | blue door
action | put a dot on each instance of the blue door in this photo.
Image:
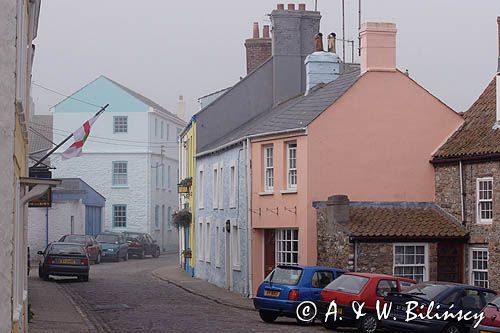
(93, 216)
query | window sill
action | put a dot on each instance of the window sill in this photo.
(119, 186)
(290, 191)
(237, 268)
(487, 222)
(266, 193)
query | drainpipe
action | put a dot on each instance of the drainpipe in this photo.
(46, 226)
(462, 194)
(249, 218)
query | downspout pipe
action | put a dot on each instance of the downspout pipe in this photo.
(46, 226)
(462, 193)
(248, 179)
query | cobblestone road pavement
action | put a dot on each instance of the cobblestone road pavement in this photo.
(124, 297)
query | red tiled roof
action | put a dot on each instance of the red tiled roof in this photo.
(476, 137)
(424, 221)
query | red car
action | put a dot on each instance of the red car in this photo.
(361, 287)
(92, 247)
(491, 321)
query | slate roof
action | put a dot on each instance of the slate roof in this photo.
(295, 113)
(403, 220)
(476, 137)
(145, 100)
(40, 136)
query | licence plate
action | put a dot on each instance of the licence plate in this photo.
(273, 293)
(68, 261)
(340, 310)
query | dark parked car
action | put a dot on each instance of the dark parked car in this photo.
(92, 247)
(361, 287)
(141, 244)
(287, 286)
(113, 246)
(491, 321)
(451, 298)
(65, 259)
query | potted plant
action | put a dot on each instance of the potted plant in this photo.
(187, 182)
(182, 218)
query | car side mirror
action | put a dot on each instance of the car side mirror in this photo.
(40, 253)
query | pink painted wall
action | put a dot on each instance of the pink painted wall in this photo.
(373, 144)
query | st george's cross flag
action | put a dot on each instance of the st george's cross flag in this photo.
(80, 136)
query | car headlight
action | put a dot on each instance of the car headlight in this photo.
(111, 250)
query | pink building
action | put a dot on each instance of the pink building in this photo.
(369, 134)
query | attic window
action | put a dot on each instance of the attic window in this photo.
(120, 124)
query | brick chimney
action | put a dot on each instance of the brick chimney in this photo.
(378, 46)
(293, 32)
(258, 48)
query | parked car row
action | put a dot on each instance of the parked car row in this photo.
(72, 254)
(288, 286)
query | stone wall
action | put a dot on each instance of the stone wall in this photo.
(448, 197)
(333, 243)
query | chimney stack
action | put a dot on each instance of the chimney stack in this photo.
(293, 33)
(258, 49)
(378, 47)
(338, 211)
(321, 66)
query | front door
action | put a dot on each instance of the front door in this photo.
(269, 251)
(450, 261)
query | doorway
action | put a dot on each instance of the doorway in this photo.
(269, 251)
(450, 261)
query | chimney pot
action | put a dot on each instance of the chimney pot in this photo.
(302, 6)
(291, 6)
(332, 41)
(255, 30)
(265, 31)
(281, 6)
(318, 42)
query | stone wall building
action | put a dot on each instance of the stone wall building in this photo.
(417, 240)
(467, 169)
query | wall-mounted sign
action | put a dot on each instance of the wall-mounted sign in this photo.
(43, 201)
(182, 189)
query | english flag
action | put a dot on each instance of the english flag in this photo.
(80, 136)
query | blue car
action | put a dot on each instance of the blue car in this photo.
(287, 286)
(114, 246)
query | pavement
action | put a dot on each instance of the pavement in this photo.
(178, 277)
(63, 314)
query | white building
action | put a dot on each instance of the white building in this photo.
(130, 157)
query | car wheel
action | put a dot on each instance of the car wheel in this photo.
(156, 254)
(452, 328)
(268, 316)
(330, 324)
(98, 259)
(42, 275)
(126, 256)
(305, 323)
(141, 255)
(367, 323)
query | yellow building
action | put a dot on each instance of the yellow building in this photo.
(187, 170)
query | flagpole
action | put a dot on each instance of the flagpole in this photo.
(64, 141)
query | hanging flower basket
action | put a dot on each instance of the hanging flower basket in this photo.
(182, 218)
(186, 182)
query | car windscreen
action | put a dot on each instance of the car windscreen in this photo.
(428, 291)
(289, 276)
(74, 239)
(351, 284)
(132, 236)
(67, 249)
(103, 238)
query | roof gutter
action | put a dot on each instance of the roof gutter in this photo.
(470, 158)
(231, 143)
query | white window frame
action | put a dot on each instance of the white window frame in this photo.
(235, 245)
(169, 218)
(114, 174)
(113, 218)
(169, 177)
(281, 238)
(479, 201)
(120, 124)
(201, 188)
(425, 265)
(268, 168)
(289, 168)
(215, 187)
(163, 176)
(472, 270)
(157, 175)
(233, 182)
(156, 127)
(208, 241)
(157, 217)
(162, 130)
(217, 246)
(201, 243)
(220, 191)
(167, 136)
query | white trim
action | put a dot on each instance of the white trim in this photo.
(280, 236)
(201, 187)
(471, 265)
(218, 243)
(479, 220)
(201, 245)
(233, 179)
(215, 186)
(266, 167)
(235, 245)
(426, 258)
(289, 186)
(220, 184)
(208, 243)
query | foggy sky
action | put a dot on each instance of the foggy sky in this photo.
(166, 48)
